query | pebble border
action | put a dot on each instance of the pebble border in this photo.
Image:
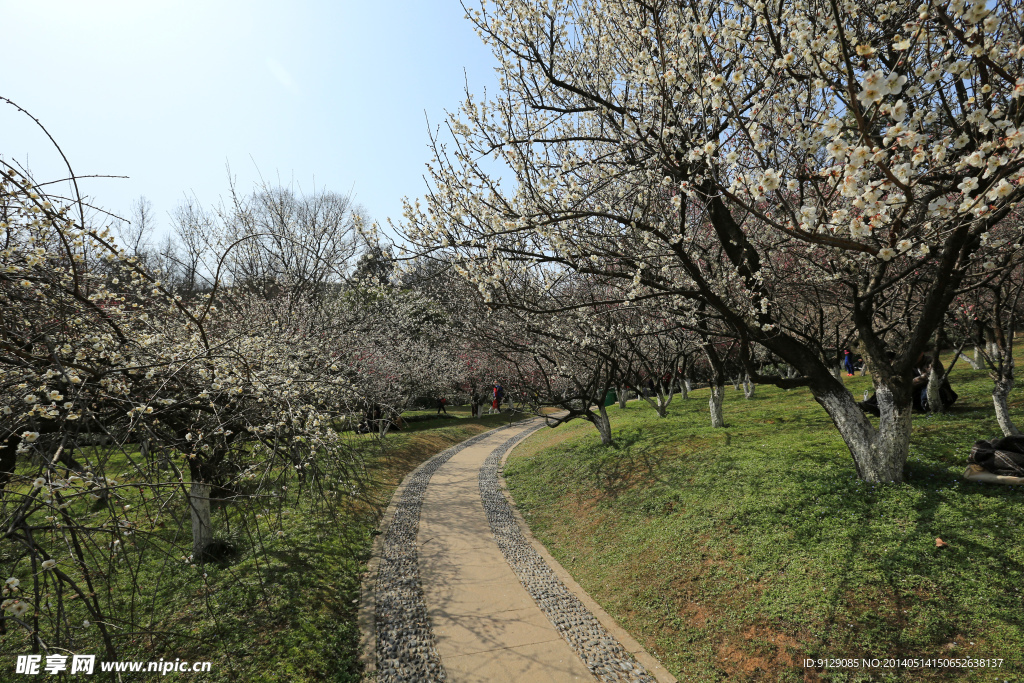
(599, 650)
(404, 646)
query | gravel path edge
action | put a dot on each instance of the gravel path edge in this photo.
(367, 618)
(653, 667)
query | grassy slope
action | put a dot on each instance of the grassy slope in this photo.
(284, 615)
(305, 630)
(734, 553)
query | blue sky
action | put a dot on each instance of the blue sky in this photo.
(169, 92)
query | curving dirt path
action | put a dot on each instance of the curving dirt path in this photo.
(464, 594)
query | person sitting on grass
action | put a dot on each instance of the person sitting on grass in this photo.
(919, 389)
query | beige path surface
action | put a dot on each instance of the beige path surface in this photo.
(487, 628)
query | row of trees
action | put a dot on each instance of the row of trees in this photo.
(579, 349)
(758, 172)
(140, 381)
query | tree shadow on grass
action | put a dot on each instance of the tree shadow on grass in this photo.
(629, 462)
(886, 583)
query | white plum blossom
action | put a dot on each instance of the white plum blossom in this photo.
(968, 184)
(1001, 190)
(899, 111)
(859, 156)
(18, 608)
(877, 84)
(837, 149)
(832, 127)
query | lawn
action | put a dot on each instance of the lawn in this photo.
(736, 553)
(282, 605)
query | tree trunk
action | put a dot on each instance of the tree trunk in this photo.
(661, 404)
(715, 404)
(933, 390)
(684, 389)
(603, 424)
(1000, 395)
(933, 393)
(620, 394)
(202, 531)
(881, 454)
(748, 387)
(736, 384)
(973, 362)
(994, 350)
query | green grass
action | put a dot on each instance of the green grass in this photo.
(283, 606)
(734, 553)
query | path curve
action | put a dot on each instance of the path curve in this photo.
(403, 641)
(461, 594)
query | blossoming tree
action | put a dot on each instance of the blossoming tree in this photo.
(706, 152)
(124, 404)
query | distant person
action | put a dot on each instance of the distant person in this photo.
(441, 401)
(920, 385)
(498, 395)
(475, 409)
(848, 362)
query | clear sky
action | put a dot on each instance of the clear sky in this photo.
(168, 92)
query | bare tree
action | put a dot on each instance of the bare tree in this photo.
(193, 254)
(307, 239)
(135, 235)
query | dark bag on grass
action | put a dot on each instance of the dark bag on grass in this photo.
(1000, 456)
